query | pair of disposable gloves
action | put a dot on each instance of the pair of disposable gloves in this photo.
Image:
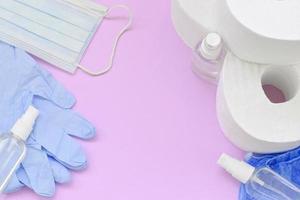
(52, 152)
(286, 164)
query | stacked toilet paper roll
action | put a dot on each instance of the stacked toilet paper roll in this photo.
(248, 118)
(259, 31)
(263, 31)
(193, 19)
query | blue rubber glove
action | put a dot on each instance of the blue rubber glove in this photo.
(286, 164)
(51, 150)
(39, 172)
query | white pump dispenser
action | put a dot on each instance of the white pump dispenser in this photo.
(208, 57)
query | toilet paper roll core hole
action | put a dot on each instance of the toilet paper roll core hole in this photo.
(280, 84)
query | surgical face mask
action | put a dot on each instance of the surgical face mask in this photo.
(57, 31)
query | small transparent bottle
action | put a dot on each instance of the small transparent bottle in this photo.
(12, 145)
(208, 58)
(261, 184)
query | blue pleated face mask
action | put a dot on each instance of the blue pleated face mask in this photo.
(57, 31)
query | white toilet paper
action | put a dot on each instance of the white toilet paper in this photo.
(248, 118)
(194, 19)
(264, 31)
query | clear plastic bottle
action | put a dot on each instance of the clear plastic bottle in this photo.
(261, 184)
(208, 58)
(12, 146)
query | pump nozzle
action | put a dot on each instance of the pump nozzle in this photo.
(240, 170)
(24, 125)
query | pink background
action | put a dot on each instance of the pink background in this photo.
(157, 132)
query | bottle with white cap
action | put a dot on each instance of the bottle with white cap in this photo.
(262, 183)
(208, 57)
(12, 145)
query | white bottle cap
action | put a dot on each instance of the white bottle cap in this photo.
(23, 127)
(240, 170)
(211, 46)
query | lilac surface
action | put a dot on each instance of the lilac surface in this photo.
(157, 131)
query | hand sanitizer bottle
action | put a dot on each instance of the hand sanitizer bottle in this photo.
(261, 184)
(12, 145)
(208, 58)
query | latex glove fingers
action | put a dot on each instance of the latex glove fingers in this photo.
(27, 74)
(39, 172)
(60, 173)
(58, 123)
(55, 91)
(68, 121)
(26, 79)
(78, 127)
(36, 172)
(47, 87)
(67, 152)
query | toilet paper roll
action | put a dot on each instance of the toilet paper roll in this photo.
(194, 19)
(248, 118)
(263, 31)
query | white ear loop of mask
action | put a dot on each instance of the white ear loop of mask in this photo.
(117, 39)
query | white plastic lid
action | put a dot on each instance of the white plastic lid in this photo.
(211, 46)
(240, 170)
(23, 127)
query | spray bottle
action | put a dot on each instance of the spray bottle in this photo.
(12, 145)
(262, 183)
